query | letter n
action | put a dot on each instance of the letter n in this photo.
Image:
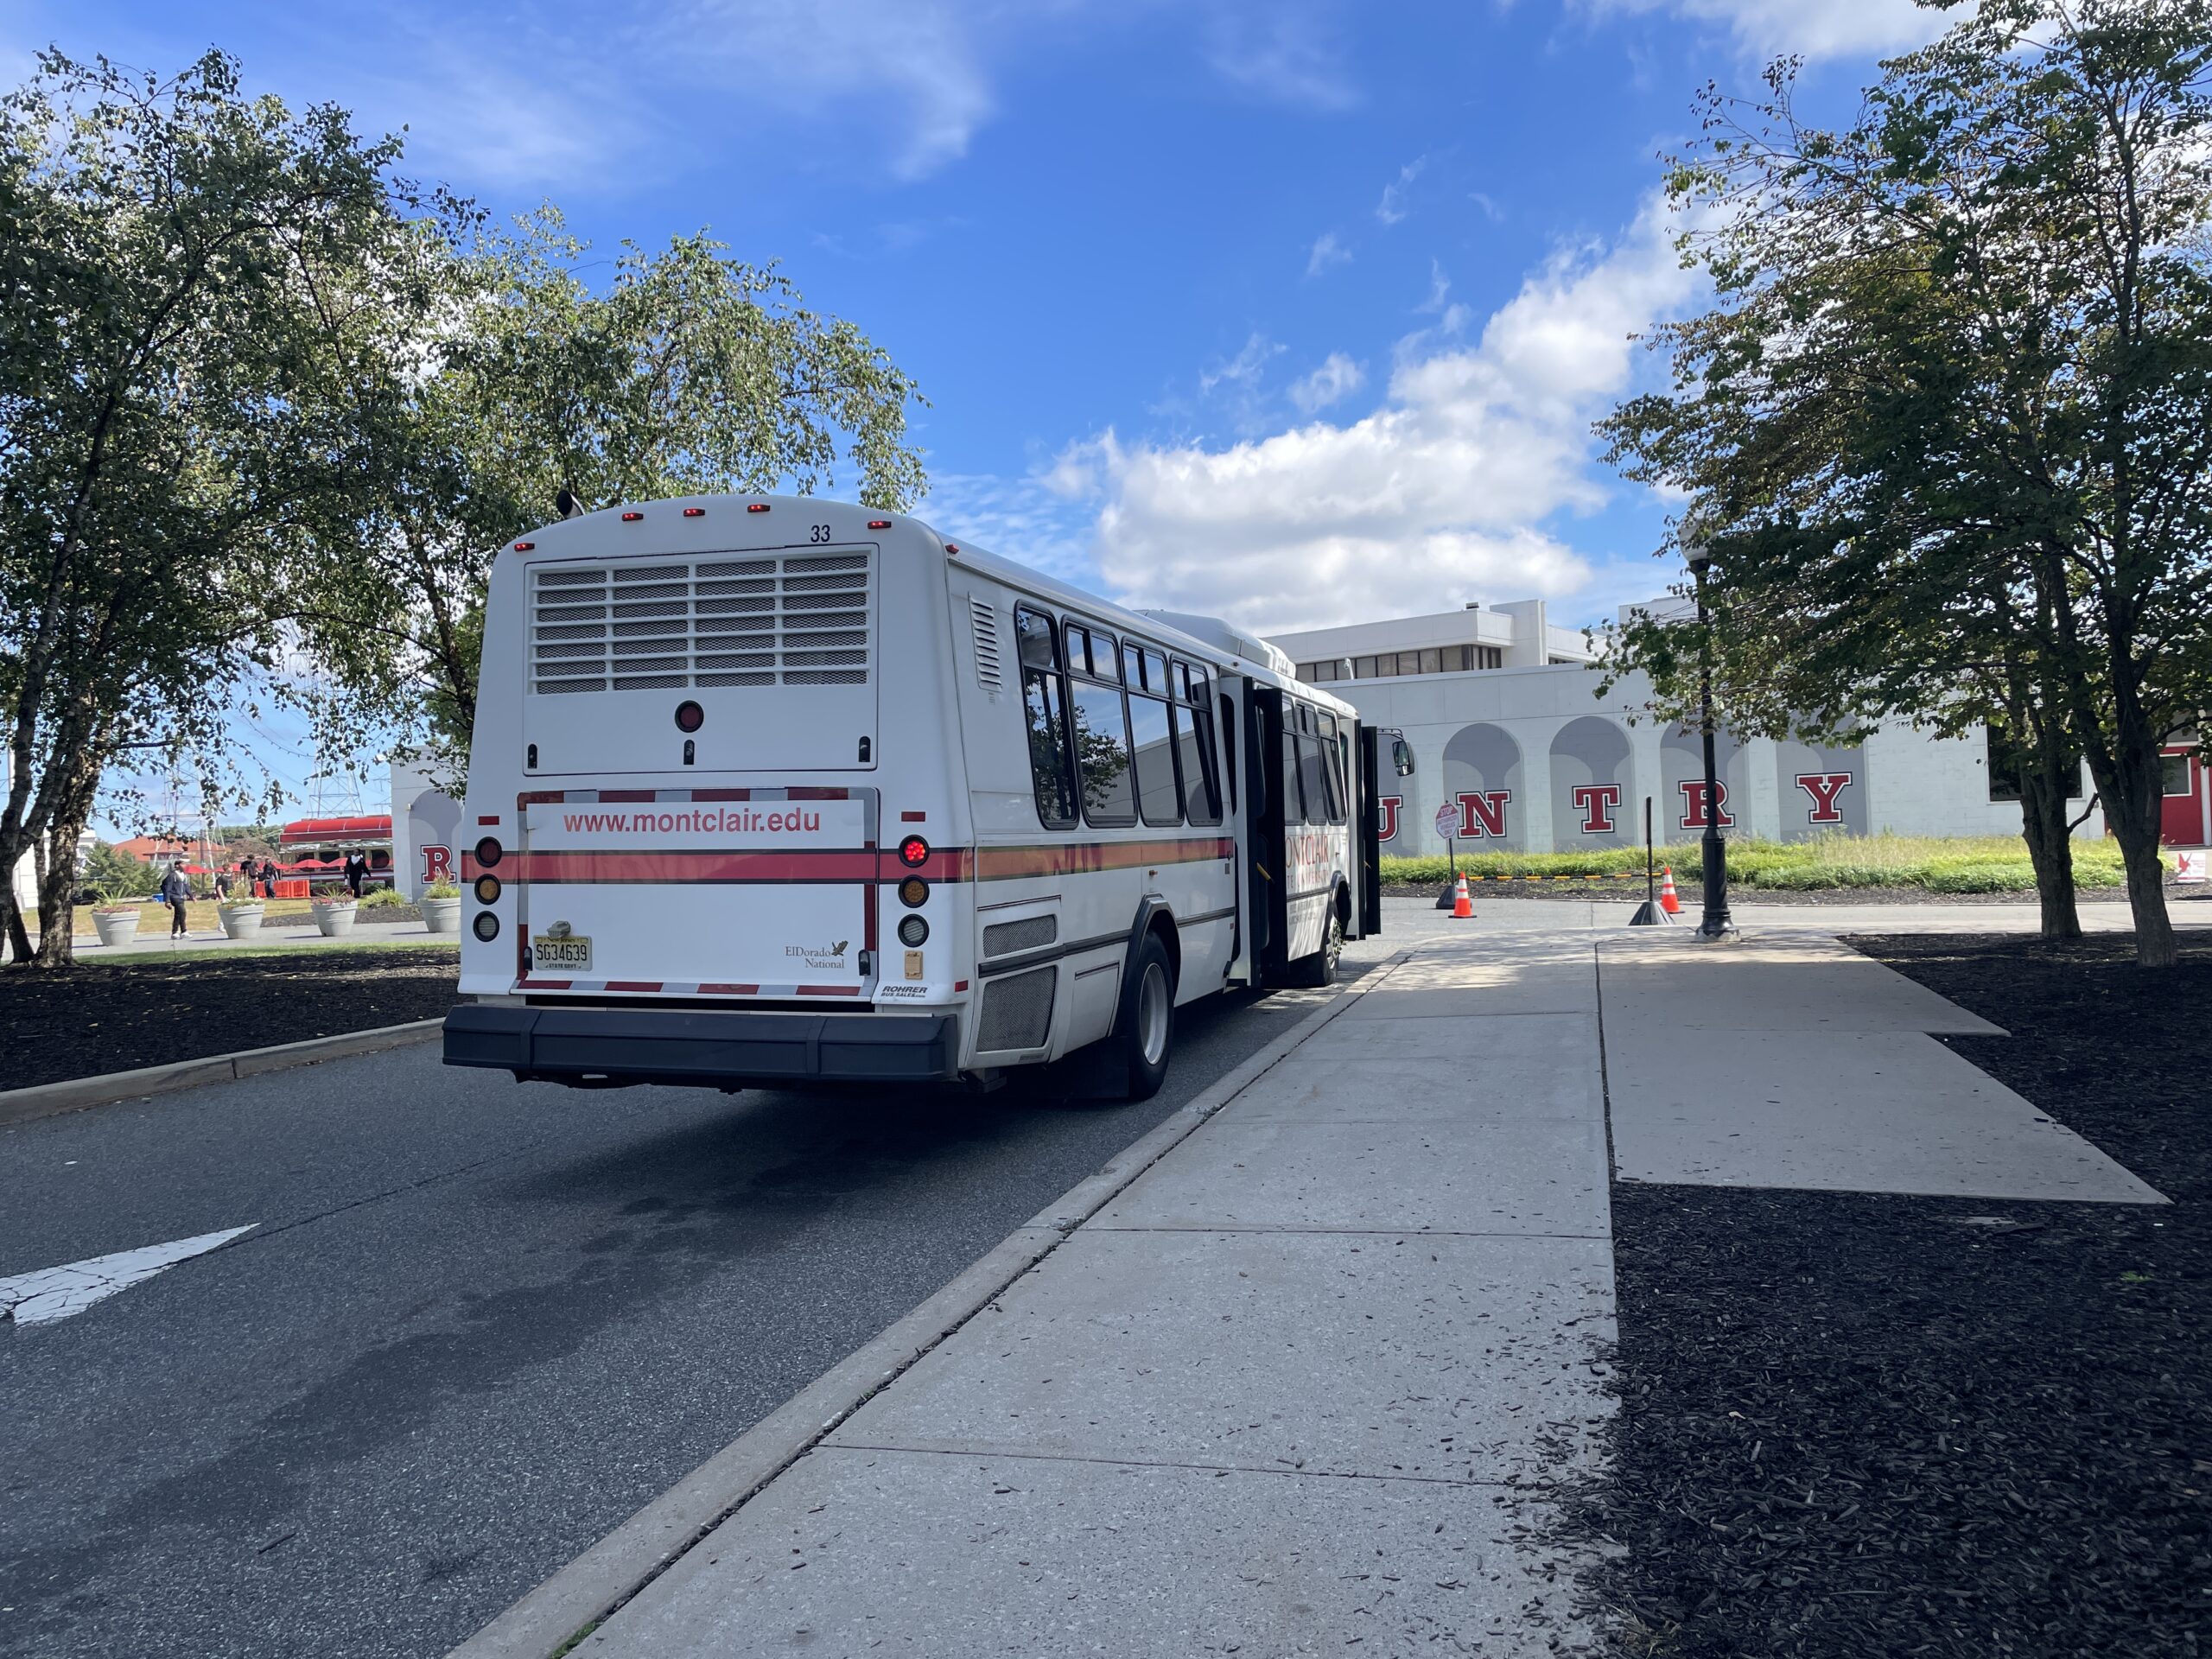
(1484, 814)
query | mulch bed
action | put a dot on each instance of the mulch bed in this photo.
(1852, 1426)
(1691, 893)
(117, 1016)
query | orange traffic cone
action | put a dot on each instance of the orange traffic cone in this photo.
(1463, 907)
(1667, 901)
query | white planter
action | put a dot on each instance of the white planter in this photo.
(240, 921)
(441, 915)
(117, 926)
(334, 921)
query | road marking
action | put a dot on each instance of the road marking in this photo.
(54, 1294)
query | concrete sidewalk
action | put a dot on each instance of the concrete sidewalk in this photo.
(1310, 1381)
(1301, 1387)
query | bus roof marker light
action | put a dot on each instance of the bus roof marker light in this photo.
(631, 517)
(756, 506)
(524, 547)
(695, 512)
(913, 852)
(952, 547)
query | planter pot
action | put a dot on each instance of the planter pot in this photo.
(441, 915)
(117, 926)
(334, 921)
(241, 921)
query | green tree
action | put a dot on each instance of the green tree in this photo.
(201, 287)
(1948, 429)
(110, 869)
(691, 372)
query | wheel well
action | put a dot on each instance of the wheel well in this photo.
(1163, 927)
(1343, 903)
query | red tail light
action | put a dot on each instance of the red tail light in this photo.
(913, 852)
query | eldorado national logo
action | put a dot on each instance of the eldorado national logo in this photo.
(820, 956)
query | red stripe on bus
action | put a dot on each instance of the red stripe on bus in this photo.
(547, 984)
(539, 797)
(721, 794)
(481, 822)
(827, 990)
(944, 864)
(629, 795)
(813, 792)
(1088, 857)
(633, 984)
(730, 990)
(858, 867)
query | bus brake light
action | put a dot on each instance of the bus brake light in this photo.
(913, 852)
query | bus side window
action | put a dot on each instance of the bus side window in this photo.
(1228, 743)
(1312, 771)
(1155, 739)
(1291, 812)
(1332, 764)
(1194, 749)
(1044, 700)
(1101, 746)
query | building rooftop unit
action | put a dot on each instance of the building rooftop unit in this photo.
(1517, 635)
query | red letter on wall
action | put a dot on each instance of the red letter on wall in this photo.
(1389, 805)
(1597, 803)
(1483, 815)
(437, 864)
(1693, 805)
(1824, 787)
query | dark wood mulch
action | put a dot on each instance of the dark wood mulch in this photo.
(1853, 1426)
(118, 1016)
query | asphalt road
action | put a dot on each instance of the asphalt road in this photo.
(475, 1325)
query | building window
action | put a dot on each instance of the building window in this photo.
(2174, 772)
(1489, 655)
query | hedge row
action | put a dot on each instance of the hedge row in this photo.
(1965, 864)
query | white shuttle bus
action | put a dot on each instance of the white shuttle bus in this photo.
(782, 790)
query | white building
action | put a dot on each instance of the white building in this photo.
(1510, 734)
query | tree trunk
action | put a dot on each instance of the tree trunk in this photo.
(57, 890)
(2133, 808)
(2050, 847)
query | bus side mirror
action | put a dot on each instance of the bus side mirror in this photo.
(1402, 757)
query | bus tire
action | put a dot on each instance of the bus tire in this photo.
(1144, 1026)
(1312, 973)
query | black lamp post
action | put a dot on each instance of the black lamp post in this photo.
(1715, 924)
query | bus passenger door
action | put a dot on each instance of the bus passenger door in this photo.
(1265, 849)
(1367, 819)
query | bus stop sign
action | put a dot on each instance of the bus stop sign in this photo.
(1448, 820)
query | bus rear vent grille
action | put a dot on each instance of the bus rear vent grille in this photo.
(760, 618)
(1017, 1010)
(1002, 937)
(985, 625)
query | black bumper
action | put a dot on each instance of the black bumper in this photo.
(700, 1046)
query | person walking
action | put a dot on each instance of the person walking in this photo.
(268, 877)
(175, 889)
(357, 871)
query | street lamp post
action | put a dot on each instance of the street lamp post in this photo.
(1715, 924)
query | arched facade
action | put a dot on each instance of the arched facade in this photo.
(1593, 795)
(1483, 776)
(1682, 762)
(1820, 790)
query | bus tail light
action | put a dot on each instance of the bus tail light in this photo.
(913, 852)
(913, 893)
(913, 932)
(487, 889)
(689, 716)
(489, 852)
(486, 926)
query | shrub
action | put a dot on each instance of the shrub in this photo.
(383, 899)
(441, 890)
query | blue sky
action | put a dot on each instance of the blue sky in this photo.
(1297, 312)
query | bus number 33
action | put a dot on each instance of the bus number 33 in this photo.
(821, 533)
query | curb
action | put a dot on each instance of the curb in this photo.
(552, 1618)
(73, 1094)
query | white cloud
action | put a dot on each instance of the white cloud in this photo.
(1440, 495)
(1440, 288)
(1814, 29)
(1328, 250)
(1286, 55)
(1392, 208)
(1338, 376)
(1244, 369)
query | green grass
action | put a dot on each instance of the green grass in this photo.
(229, 952)
(1935, 864)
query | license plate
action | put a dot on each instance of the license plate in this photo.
(571, 953)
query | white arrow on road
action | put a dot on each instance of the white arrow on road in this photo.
(56, 1292)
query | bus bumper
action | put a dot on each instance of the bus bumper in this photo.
(695, 1045)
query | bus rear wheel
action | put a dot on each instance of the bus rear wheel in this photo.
(1144, 1028)
(1320, 968)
